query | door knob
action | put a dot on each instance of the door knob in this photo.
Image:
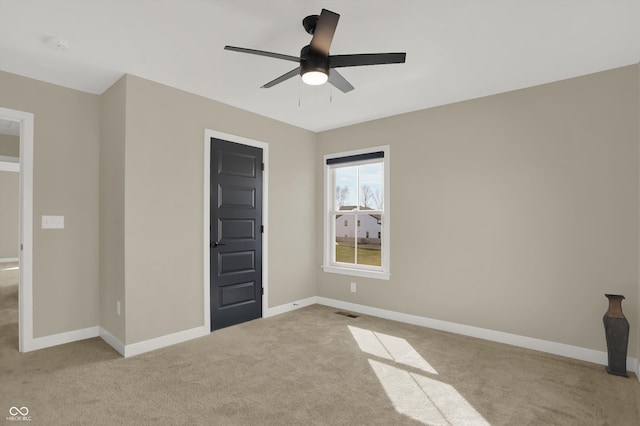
(217, 243)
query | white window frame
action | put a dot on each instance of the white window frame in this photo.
(329, 265)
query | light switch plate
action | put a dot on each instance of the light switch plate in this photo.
(52, 222)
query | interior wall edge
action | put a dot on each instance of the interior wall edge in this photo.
(112, 341)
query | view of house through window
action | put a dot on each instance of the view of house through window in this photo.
(356, 218)
(359, 205)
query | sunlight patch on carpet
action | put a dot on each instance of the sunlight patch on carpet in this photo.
(421, 398)
(390, 347)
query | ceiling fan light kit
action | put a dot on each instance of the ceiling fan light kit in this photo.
(315, 78)
(316, 66)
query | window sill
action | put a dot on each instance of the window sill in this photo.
(357, 272)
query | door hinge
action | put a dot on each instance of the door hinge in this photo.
(262, 166)
(263, 291)
(262, 229)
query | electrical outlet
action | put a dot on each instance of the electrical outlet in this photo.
(353, 287)
(118, 307)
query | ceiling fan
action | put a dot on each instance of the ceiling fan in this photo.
(316, 65)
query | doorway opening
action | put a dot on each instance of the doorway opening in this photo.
(9, 231)
(16, 157)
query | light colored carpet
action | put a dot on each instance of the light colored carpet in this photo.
(310, 367)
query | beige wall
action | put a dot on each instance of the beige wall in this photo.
(9, 145)
(112, 181)
(514, 212)
(126, 171)
(9, 214)
(164, 186)
(65, 262)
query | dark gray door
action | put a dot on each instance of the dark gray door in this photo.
(236, 233)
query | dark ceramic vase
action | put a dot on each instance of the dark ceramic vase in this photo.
(616, 329)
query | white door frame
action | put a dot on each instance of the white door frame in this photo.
(208, 134)
(25, 290)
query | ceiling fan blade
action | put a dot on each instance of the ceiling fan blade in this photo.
(323, 34)
(263, 53)
(337, 61)
(339, 81)
(282, 78)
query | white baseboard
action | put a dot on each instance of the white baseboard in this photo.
(288, 307)
(194, 333)
(9, 259)
(183, 336)
(163, 341)
(569, 351)
(9, 164)
(122, 349)
(60, 339)
(112, 341)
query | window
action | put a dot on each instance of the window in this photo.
(356, 196)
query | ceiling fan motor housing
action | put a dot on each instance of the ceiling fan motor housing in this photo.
(311, 60)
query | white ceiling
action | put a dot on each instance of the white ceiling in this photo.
(456, 49)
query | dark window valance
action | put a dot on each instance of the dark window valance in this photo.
(353, 158)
